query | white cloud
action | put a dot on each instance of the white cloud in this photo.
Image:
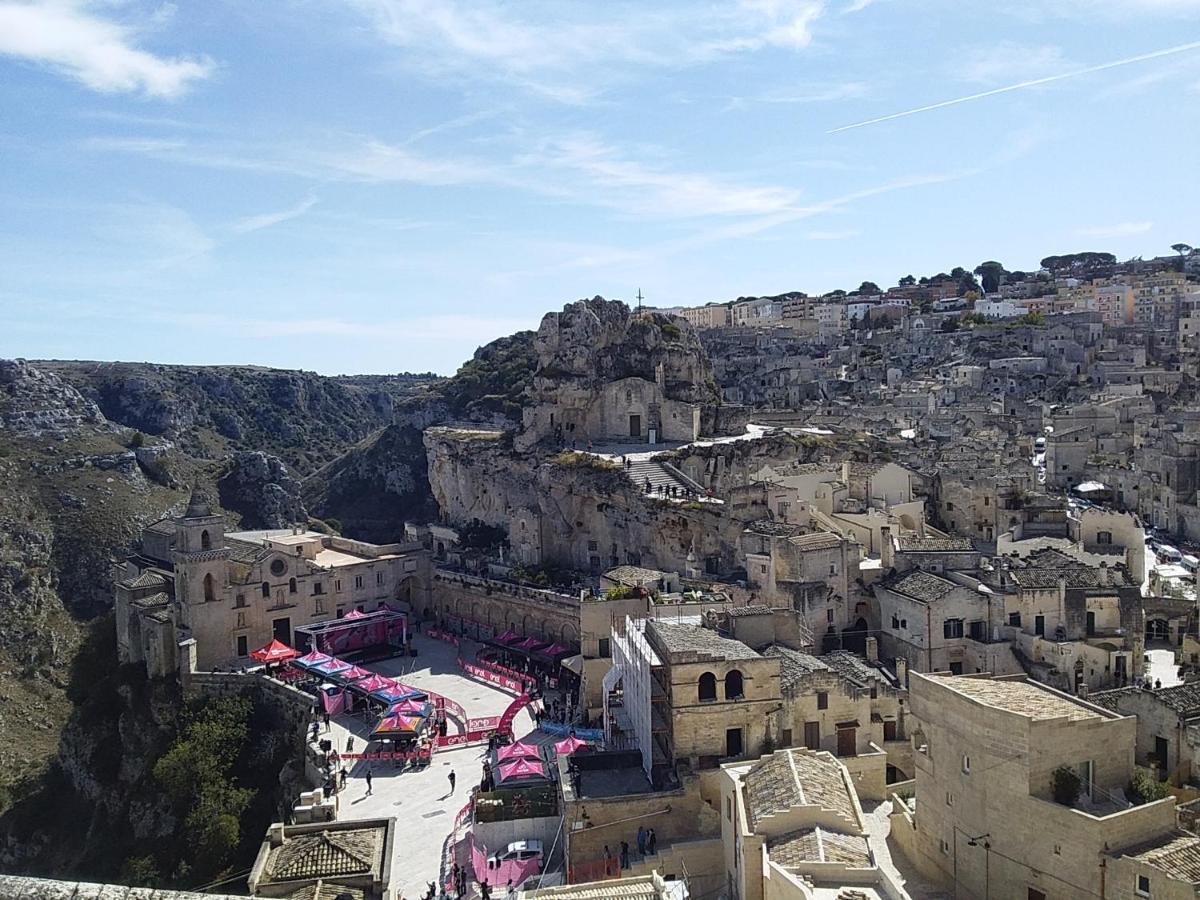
(566, 53)
(1120, 229)
(266, 220)
(610, 177)
(815, 93)
(100, 54)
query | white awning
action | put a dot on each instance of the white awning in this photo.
(574, 664)
(611, 679)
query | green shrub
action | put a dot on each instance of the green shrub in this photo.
(1145, 788)
(1065, 785)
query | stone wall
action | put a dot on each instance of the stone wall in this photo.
(501, 605)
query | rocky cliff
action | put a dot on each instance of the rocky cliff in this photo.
(260, 488)
(304, 418)
(592, 342)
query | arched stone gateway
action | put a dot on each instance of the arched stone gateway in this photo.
(409, 589)
(855, 637)
(570, 635)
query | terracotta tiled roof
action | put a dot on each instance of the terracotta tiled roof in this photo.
(810, 845)
(1177, 854)
(324, 854)
(794, 665)
(1026, 698)
(146, 578)
(913, 544)
(752, 610)
(923, 586)
(681, 641)
(791, 778)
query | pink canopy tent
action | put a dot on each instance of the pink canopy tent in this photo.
(411, 707)
(554, 649)
(519, 750)
(354, 614)
(507, 638)
(276, 651)
(354, 673)
(522, 768)
(398, 726)
(372, 682)
(569, 745)
(530, 643)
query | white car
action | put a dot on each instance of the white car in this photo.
(517, 851)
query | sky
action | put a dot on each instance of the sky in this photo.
(353, 186)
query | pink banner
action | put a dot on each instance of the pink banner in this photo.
(415, 754)
(506, 720)
(501, 681)
(333, 702)
(505, 670)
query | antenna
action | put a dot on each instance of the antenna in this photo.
(639, 299)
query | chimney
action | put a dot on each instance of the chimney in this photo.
(887, 555)
(902, 671)
(873, 649)
(275, 834)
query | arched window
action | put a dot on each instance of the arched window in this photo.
(205, 540)
(733, 685)
(266, 589)
(209, 594)
(292, 586)
(708, 686)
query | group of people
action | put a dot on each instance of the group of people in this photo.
(647, 844)
(459, 882)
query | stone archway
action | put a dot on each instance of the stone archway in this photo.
(854, 638)
(408, 589)
(526, 623)
(569, 634)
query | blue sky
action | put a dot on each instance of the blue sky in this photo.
(384, 185)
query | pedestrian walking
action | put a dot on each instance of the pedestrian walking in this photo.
(641, 840)
(485, 890)
(451, 777)
(607, 854)
(509, 892)
(651, 841)
(368, 782)
(344, 773)
(326, 721)
(624, 854)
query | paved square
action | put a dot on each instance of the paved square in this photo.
(421, 800)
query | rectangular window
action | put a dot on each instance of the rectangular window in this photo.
(952, 628)
(318, 588)
(358, 582)
(829, 615)
(239, 600)
(889, 729)
(812, 735)
(1014, 619)
(605, 648)
(729, 808)
(337, 585)
(242, 648)
(786, 737)
(379, 578)
(241, 620)
(1143, 886)
(319, 608)
(822, 700)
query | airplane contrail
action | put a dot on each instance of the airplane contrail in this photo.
(1169, 51)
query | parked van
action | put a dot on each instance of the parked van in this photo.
(1169, 554)
(1189, 562)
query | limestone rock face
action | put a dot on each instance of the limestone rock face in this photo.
(260, 488)
(35, 403)
(593, 342)
(372, 489)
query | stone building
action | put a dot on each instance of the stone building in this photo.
(792, 828)
(986, 821)
(350, 858)
(930, 621)
(840, 703)
(607, 374)
(1168, 727)
(233, 593)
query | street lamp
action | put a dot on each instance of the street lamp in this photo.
(975, 841)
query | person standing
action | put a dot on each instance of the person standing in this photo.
(607, 853)
(368, 782)
(326, 721)
(451, 777)
(624, 854)
(651, 841)
(641, 840)
(343, 778)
